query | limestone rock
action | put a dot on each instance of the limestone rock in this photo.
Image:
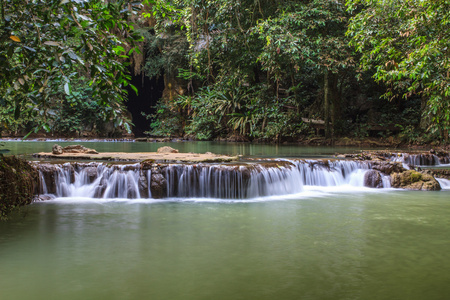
(413, 180)
(167, 149)
(387, 167)
(441, 173)
(373, 179)
(143, 186)
(78, 149)
(57, 149)
(91, 173)
(158, 185)
(47, 179)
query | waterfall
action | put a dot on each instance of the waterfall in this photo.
(445, 183)
(212, 181)
(220, 181)
(419, 159)
(94, 181)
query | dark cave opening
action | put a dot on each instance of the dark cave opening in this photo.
(150, 90)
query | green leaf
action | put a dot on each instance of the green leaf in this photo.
(134, 88)
(67, 88)
(52, 43)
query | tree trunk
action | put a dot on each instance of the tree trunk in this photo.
(326, 104)
(424, 117)
(335, 103)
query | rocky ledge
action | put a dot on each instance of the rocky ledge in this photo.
(404, 169)
(164, 154)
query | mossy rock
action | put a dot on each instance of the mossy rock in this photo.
(413, 180)
(18, 181)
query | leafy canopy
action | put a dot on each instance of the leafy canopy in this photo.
(46, 45)
(406, 43)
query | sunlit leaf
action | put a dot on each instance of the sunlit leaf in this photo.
(15, 38)
(134, 88)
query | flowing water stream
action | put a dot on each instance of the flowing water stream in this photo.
(282, 232)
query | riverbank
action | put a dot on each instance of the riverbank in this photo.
(18, 182)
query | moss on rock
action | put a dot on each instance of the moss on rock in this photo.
(413, 180)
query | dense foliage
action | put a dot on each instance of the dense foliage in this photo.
(270, 69)
(252, 69)
(61, 55)
(406, 43)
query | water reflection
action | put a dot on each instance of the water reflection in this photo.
(245, 149)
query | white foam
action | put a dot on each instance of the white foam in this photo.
(445, 183)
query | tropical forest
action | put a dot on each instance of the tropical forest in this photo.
(261, 71)
(224, 149)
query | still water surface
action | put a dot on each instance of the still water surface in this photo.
(325, 244)
(375, 245)
(245, 149)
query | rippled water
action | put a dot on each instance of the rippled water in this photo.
(328, 245)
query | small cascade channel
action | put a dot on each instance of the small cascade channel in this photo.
(428, 159)
(220, 181)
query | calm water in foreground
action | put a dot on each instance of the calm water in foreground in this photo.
(321, 244)
(366, 245)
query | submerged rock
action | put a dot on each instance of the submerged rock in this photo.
(413, 180)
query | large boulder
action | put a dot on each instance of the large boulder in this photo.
(414, 180)
(373, 179)
(47, 178)
(91, 173)
(57, 149)
(158, 184)
(78, 149)
(167, 149)
(143, 185)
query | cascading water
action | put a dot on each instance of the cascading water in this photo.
(445, 183)
(241, 181)
(420, 159)
(95, 181)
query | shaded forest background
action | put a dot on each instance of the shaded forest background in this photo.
(255, 70)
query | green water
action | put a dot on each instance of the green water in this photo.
(380, 245)
(245, 149)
